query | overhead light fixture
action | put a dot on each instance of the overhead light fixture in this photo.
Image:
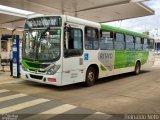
(15, 11)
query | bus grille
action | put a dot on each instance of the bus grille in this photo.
(36, 77)
(35, 65)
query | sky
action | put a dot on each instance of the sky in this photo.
(142, 24)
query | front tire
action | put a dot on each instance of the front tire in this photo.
(90, 77)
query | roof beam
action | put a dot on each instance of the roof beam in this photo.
(146, 7)
(21, 19)
(13, 14)
(107, 5)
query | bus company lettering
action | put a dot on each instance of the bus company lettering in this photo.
(106, 56)
(107, 59)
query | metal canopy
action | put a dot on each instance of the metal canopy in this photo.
(116, 12)
(94, 10)
(4, 18)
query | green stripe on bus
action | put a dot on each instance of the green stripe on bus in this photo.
(24, 63)
(120, 30)
(128, 58)
(102, 68)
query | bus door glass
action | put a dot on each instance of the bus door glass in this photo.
(73, 54)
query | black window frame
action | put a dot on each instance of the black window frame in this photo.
(97, 39)
(73, 52)
(145, 44)
(115, 41)
(137, 43)
(126, 41)
(111, 36)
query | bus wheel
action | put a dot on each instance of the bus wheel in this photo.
(137, 68)
(90, 77)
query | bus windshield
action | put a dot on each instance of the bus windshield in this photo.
(41, 44)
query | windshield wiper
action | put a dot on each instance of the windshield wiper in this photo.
(43, 33)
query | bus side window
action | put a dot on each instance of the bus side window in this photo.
(74, 47)
(91, 38)
(106, 40)
(145, 44)
(119, 43)
(151, 44)
(138, 43)
(129, 42)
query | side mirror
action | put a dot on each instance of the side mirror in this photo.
(67, 28)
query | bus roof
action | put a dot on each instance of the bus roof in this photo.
(73, 20)
(124, 31)
(96, 25)
(82, 21)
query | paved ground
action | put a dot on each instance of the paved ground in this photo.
(119, 94)
(26, 107)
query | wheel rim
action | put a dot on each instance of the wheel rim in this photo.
(91, 76)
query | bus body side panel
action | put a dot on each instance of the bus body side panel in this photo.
(90, 58)
(73, 71)
(106, 63)
(120, 59)
(124, 61)
(130, 58)
(115, 62)
(150, 60)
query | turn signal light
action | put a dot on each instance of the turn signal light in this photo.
(51, 79)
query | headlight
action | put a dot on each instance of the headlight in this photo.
(53, 69)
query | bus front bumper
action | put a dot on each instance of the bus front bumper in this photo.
(42, 78)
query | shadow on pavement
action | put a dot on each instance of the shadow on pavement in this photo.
(81, 85)
(119, 77)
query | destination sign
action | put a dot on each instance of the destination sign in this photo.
(49, 21)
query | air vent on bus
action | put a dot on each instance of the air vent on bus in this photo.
(36, 77)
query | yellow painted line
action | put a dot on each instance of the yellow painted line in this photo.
(3, 90)
(12, 97)
(22, 106)
(52, 112)
(98, 116)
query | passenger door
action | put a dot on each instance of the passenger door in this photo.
(73, 54)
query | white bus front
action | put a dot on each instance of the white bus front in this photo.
(41, 50)
(52, 51)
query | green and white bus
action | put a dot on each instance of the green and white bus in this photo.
(62, 50)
